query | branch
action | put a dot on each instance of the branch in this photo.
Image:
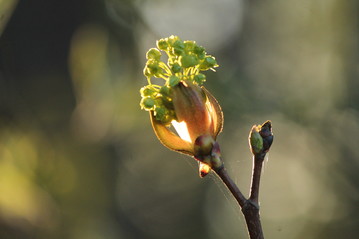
(256, 176)
(222, 173)
(249, 208)
(260, 140)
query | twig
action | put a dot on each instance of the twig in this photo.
(222, 173)
(260, 141)
(256, 176)
(250, 207)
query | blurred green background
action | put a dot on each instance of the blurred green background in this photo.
(78, 158)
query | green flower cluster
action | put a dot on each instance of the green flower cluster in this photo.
(186, 60)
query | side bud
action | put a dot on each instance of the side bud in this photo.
(261, 138)
(255, 140)
(208, 153)
(267, 135)
(203, 145)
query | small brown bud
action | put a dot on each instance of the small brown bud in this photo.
(203, 145)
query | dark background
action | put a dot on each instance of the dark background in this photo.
(78, 158)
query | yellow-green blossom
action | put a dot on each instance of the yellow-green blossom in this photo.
(182, 102)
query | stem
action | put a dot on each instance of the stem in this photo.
(222, 173)
(256, 176)
(250, 207)
(165, 67)
(253, 221)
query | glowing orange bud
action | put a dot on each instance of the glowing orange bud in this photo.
(197, 112)
(189, 103)
(204, 169)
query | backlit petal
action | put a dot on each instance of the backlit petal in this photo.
(170, 139)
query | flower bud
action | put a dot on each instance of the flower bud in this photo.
(182, 102)
(189, 45)
(173, 81)
(172, 39)
(200, 52)
(208, 63)
(162, 44)
(198, 114)
(147, 91)
(152, 68)
(147, 103)
(165, 90)
(189, 61)
(178, 48)
(216, 163)
(203, 145)
(154, 54)
(199, 78)
(216, 160)
(207, 152)
(176, 68)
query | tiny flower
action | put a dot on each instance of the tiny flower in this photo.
(153, 53)
(182, 102)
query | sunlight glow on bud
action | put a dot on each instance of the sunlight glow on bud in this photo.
(210, 110)
(204, 169)
(182, 130)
